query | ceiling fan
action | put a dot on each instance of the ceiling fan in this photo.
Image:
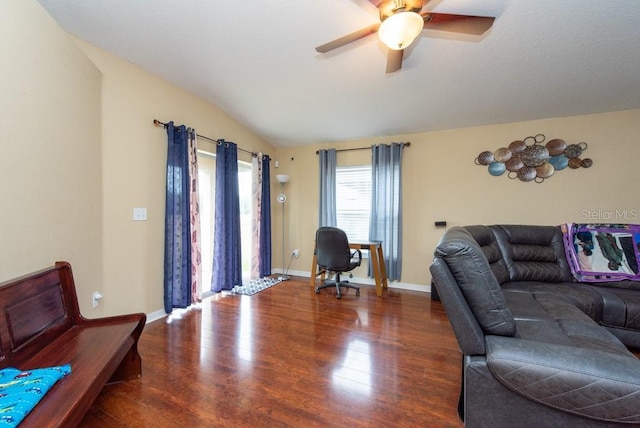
(402, 21)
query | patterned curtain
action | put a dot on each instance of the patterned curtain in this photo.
(256, 202)
(327, 203)
(227, 254)
(385, 223)
(261, 239)
(194, 211)
(177, 251)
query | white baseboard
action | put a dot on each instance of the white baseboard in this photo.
(423, 288)
(159, 314)
(155, 316)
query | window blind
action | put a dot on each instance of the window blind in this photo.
(353, 200)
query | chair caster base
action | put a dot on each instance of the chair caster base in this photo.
(338, 292)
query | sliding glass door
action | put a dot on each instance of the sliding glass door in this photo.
(207, 197)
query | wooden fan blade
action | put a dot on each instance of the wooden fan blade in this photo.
(345, 40)
(394, 60)
(467, 24)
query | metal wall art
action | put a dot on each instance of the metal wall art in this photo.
(531, 160)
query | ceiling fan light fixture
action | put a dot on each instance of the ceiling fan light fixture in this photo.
(399, 30)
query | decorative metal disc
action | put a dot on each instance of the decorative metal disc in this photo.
(484, 158)
(497, 168)
(526, 173)
(556, 146)
(559, 162)
(534, 155)
(517, 146)
(502, 154)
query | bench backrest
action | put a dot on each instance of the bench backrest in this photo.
(34, 310)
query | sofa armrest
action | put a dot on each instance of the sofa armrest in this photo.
(587, 382)
(465, 326)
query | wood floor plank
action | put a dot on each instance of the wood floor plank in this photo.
(289, 357)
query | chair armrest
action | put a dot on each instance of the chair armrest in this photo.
(359, 254)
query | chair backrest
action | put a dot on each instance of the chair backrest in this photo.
(332, 249)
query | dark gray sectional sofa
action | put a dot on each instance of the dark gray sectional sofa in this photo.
(539, 349)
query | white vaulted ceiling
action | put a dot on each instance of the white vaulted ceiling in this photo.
(256, 60)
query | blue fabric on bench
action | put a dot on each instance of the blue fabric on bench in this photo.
(20, 391)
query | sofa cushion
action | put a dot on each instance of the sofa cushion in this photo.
(485, 238)
(622, 307)
(533, 253)
(476, 280)
(584, 297)
(553, 318)
(581, 330)
(533, 322)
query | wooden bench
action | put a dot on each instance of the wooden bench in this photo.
(41, 326)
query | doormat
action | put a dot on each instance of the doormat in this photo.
(254, 286)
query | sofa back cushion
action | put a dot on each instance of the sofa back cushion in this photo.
(470, 268)
(486, 240)
(533, 253)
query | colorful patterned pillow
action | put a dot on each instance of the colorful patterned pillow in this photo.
(20, 391)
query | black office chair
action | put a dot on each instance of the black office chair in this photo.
(334, 255)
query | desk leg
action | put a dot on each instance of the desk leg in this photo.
(383, 267)
(375, 265)
(314, 267)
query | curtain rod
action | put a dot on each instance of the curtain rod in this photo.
(407, 144)
(157, 122)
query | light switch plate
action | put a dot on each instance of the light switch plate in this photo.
(139, 214)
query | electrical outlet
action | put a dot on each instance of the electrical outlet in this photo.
(296, 253)
(139, 214)
(97, 296)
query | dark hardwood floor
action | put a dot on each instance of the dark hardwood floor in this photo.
(289, 357)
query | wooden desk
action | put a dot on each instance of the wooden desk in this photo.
(376, 258)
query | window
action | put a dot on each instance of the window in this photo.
(353, 200)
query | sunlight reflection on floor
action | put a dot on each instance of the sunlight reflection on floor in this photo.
(354, 375)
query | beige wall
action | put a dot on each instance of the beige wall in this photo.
(80, 152)
(134, 165)
(50, 166)
(441, 182)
